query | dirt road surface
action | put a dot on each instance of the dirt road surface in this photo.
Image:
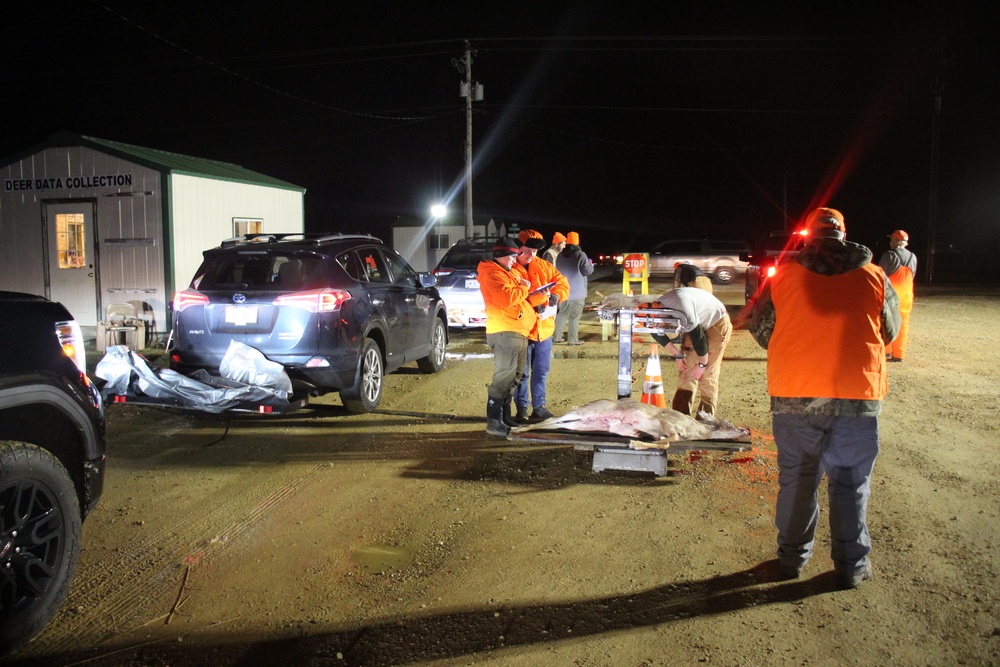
(409, 536)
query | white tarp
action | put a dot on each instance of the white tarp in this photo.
(256, 380)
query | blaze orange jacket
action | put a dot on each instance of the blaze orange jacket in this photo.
(827, 344)
(540, 272)
(507, 308)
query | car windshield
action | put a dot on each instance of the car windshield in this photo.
(467, 257)
(260, 272)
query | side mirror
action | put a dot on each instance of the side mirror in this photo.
(427, 279)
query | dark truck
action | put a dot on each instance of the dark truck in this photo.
(51, 460)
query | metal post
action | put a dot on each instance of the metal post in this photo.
(468, 141)
(932, 200)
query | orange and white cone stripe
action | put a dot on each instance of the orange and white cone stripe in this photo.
(652, 386)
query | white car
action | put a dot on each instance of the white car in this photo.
(458, 285)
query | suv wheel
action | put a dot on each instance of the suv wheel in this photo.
(39, 540)
(434, 361)
(724, 275)
(366, 393)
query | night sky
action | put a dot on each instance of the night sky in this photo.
(627, 122)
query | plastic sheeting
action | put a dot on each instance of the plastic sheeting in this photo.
(256, 381)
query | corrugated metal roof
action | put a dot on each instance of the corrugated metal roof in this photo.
(167, 161)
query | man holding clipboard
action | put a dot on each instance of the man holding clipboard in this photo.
(548, 288)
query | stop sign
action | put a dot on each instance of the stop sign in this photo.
(634, 263)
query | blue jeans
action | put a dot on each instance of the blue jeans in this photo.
(536, 373)
(845, 449)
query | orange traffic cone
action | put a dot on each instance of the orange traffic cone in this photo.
(652, 386)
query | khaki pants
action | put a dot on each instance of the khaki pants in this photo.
(718, 338)
(510, 354)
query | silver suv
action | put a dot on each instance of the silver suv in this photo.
(718, 259)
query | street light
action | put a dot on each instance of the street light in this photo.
(439, 210)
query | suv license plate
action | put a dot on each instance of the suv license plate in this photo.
(471, 283)
(241, 315)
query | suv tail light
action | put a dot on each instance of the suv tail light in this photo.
(441, 272)
(71, 339)
(187, 298)
(315, 301)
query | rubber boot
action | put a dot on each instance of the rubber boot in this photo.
(682, 401)
(494, 417)
(507, 413)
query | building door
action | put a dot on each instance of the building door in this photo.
(72, 262)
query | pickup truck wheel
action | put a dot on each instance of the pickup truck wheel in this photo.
(39, 540)
(724, 275)
(434, 362)
(366, 393)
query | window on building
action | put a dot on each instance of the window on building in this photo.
(244, 226)
(438, 241)
(71, 240)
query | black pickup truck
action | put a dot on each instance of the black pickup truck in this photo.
(51, 460)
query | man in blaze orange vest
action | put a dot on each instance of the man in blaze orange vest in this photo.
(901, 266)
(510, 319)
(825, 318)
(536, 372)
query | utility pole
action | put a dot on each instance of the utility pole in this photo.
(471, 91)
(937, 88)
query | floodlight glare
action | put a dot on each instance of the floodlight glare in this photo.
(439, 210)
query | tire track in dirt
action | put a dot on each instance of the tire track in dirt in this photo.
(118, 592)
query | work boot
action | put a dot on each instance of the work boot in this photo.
(539, 414)
(682, 401)
(494, 418)
(847, 581)
(522, 415)
(508, 420)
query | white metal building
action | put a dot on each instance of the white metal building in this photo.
(423, 243)
(91, 222)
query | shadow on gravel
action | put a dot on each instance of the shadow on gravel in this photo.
(463, 452)
(459, 634)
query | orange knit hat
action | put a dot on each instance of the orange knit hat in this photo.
(558, 237)
(826, 222)
(573, 238)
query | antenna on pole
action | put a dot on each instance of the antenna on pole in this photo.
(472, 92)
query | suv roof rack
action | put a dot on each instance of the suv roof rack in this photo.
(313, 238)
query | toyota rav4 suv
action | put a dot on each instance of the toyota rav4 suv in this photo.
(51, 460)
(337, 311)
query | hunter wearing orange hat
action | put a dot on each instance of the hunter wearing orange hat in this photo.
(510, 319)
(573, 263)
(558, 243)
(824, 320)
(531, 389)
(901, 266)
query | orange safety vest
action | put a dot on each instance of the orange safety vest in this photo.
(902, 282)
(827, 340)
(505, 297)
(542, 273)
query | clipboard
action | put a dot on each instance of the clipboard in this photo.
(543, 288)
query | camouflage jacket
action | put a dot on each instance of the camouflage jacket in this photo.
(828, 257)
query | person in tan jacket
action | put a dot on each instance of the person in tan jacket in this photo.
(510, 319)
(536, 372)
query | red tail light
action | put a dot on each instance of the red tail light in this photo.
(771, 270)
(315, 301)
(441, 272)
(187, 298)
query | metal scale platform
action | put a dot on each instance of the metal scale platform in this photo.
(619, 453)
